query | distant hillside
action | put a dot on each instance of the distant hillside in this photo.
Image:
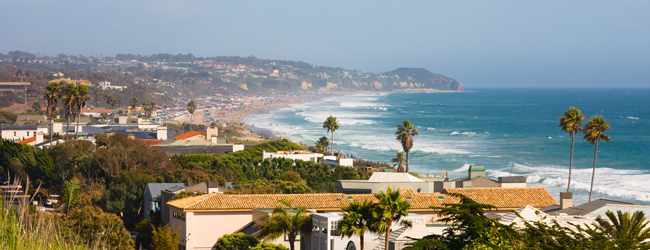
(422, 78)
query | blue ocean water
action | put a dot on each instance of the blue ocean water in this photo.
(510, 131)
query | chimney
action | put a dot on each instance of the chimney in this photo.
(39, 137)
(161, 133)
(566, 200)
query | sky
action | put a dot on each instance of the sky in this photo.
(567, 43)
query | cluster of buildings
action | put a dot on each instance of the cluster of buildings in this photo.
(204, 218)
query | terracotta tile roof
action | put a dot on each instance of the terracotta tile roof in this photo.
(502, 198)
(28, 140)
(508, 197)
(188, 135)
(151, 141)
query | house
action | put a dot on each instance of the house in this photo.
(76, 82)
(152, 196)
(197, 216)
(20, 132)
(106, 85)
(32, 141)
(382, 180)
(294, 155)
(31, 120)
(197, 142)
(168, 194)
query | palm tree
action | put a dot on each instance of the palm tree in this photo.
(391, 208)
(571, 122)
(52, 93)
(82, 97)
(109, 99)
(399, 159)
(323, 142)
(331, 124)
(98, 95)
(191, 107)
(69, 94)
(594, 132)
(133, 102)
(283, 222)
(628, 232)
(358, 218)
(405, 133)
(149, 110)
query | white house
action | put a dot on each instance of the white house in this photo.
(105, 85)
(20, 132)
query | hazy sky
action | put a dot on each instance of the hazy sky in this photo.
(481, 43)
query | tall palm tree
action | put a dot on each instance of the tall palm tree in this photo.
(52, 93)
(629, 232)
(358, 218)
(98, 95)
(405, 133)
(149, 110)
(571, 122)
(82, 97)
(323, 142)
(399, 159)
(283, 222)
(594, 132)
(331, 124)
(391, 208)
(133, 102)
(191, 107)
(69, 94)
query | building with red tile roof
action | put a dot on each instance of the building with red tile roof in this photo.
(197, 216)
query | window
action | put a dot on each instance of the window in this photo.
(334, 229)
(28, 133)
(14, 133)
(177, 215)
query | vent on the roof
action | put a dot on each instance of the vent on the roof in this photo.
(469, 191)
(441, 197)
(409, 198)
(350, 198)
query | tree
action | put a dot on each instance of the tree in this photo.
(628, 232)
(594, 132)
(109, 100)
(283, 222)
(331, 124)
(98, 95)
(399, 161)
(82, 97)
(69, 99)
(99, 228)
(36, 106)
(149, 110)
(358, 218)
(571, 123)
(52, 93)
(269, 246)
(236, 241)
(165, 238)
(391, 208)
(323, 142)
(133, 102)
(405, 133)
(191, 107)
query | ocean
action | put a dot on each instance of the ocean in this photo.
(509, 131)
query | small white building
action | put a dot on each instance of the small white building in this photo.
(105, 85)
(294, 155)
(20, 132)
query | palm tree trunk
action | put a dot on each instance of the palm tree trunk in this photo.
(594, 173)
(573, 136)
(51, 130)
(67, 128)
(386, 237)
(76, 130)
(407, 160)
(191, 121)
(332, 147)
(361, 241)
(291, 241)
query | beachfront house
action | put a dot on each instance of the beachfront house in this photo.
(21, 132)
(203, 219)
(476, 178)
(330, 160)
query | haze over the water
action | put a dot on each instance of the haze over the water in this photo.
(481, 43)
